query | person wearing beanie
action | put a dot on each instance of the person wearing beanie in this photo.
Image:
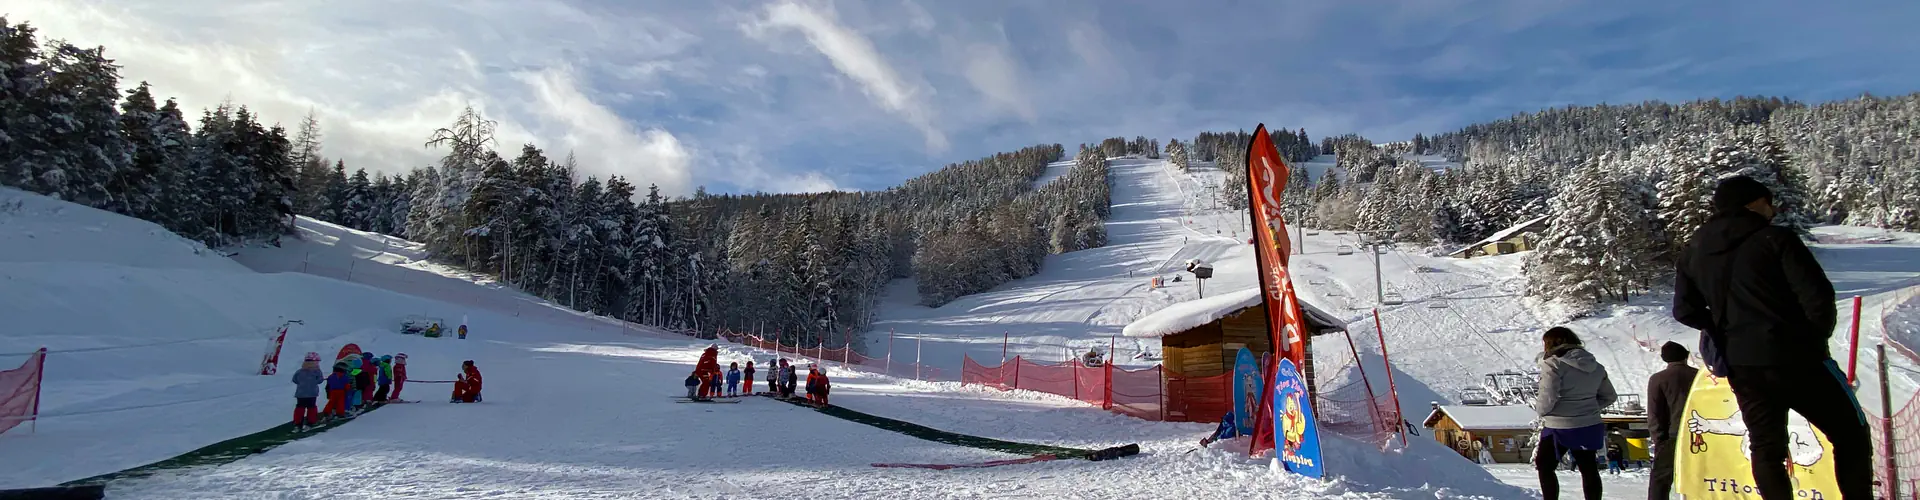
(353, 384)
(306, 393)
(399, 375)
(367, 379)
(1666, 401)
(384, 380)
(1765, 312)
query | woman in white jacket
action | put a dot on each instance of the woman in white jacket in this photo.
(1573, 389)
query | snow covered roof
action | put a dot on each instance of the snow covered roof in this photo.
(1473, 417)
(1193, 313)
(1504, 233)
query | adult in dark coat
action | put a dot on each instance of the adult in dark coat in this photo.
(1766, 312)
(1666, 400)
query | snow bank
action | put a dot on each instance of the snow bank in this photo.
(1423, 468)
(35, 228)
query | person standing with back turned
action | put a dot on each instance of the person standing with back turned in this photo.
(1574, 387)
(1666, 399)
(1765, 312)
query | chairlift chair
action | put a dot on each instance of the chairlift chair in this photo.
(1437, 304)
(1392, 299)
(1343, 250)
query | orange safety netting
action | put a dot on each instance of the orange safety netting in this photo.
(1138, 393)
(1149, 393)
(20, 391)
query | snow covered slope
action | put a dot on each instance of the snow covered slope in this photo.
(1079, 299)
(149, 362)
(395, 264)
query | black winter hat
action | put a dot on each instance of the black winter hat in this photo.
(1734, 193)
(1673, 352)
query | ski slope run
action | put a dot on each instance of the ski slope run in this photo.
(1078, 300)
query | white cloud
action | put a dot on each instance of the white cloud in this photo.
(380, 77)
(856, 57)
(604, 143)
(996, 75)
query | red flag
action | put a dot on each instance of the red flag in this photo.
(20, 391)
(1286, 327)
(1267, 179)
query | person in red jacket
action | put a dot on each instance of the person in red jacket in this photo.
(399, 374)
(467, 388)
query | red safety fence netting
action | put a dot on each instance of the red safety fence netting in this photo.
(1137, 393)
(1150, 393)
(1903, 446)
(20, 391)
(843, 355)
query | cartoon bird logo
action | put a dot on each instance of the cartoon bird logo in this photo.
(1293, 424)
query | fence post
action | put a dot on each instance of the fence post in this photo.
(1399, 418)
(1003, 348)
(1886, 424)
(1108, 373)
(889, 352)
(1161, 370)
(1075, 365)
(1853, 345)
(1016, 371)
(39, 379)
(916, 358)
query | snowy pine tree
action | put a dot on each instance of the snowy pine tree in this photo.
(1686, 198)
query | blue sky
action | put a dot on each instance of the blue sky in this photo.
(802, 95)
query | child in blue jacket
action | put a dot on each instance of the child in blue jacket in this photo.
(733, 379)
(306, 388)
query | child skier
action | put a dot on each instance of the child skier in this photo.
(399, 374)
(733, 379)
(306, 391)
(813, 377)
(337, 386)
(693, 386)
(385, 380)
(748, 378)
(787, 377)
(369, 375)
(353, 385)
(819, 385)
(713, 383)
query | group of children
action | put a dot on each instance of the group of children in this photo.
(358, 381)
(707, 383)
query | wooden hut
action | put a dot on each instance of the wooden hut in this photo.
(1201, 337)
(1505, 431)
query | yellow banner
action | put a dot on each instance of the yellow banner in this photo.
(1713, 464)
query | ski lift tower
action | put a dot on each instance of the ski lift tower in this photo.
(1376, 243)
(1201, 272)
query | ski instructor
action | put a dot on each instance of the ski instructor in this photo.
(1765, 312)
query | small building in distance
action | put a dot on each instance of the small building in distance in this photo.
(1200, 337)
(1519, 238)
(1505, 431)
